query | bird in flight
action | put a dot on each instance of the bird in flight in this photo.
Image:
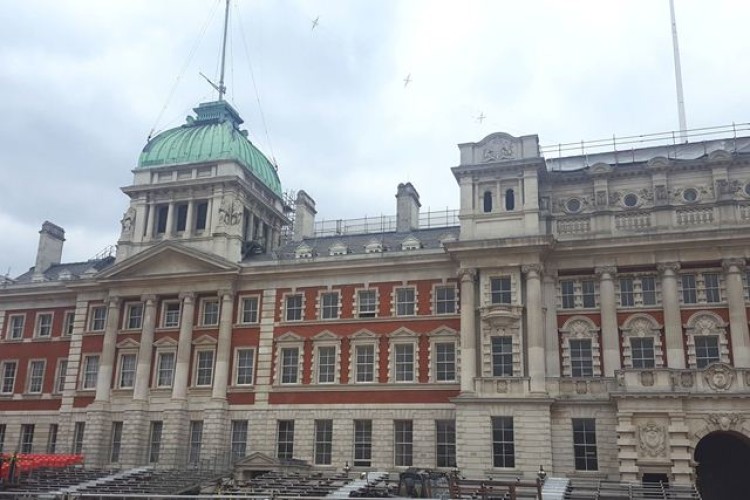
(481, 117)
(315, 23)
(407, 80)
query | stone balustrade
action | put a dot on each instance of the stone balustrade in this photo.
(716, 378)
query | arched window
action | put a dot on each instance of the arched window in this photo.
(487, 201)
(510, 200)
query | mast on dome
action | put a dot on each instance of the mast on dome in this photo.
(221, 88)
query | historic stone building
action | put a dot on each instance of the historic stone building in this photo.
(587, 314)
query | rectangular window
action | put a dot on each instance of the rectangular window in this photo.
(115, 443)
(181, 210)
(2, 437)
(210, 312)
(205, 368)
(285, 439)
(244, 373)
(98, 318)
(68, 323)
(711, 283)
(171, 318)
(365, 367)
(127, 371)
(581, 358)
(249, 310)
(706, 350)
(404, 362)
(588, 293)
(134, 316)
(642, 350)
(78, 431)
(689, 295)
(52, 438)
(43, 325)
(503, 447)
(584, 444)
(323, 442)
(8, 382)
(648, 288)
(293, 307)
(154, 441)
(329, 305)
(289, 365)
(196, 440)
(626, 292)
(367, 303)
(500, 290)
(239, 438)
(445, 362)
(26, 444)
(62, 369)
(568, 294)
(201, 213)
(165, 369)
(90, 372)
(445, 443)
(403, 442)
(326, 364)
(502, 356)
(15, 326)
(35, 376)
(362, 443)
(445, 300)
(405, 301)
(160, 222)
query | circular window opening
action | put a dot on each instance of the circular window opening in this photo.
(690, 194)
(573, 205)
(630, 200)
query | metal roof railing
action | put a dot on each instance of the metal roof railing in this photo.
(383, 223)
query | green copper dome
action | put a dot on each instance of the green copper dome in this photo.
(214, 134)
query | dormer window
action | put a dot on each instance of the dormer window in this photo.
(374, 247)
(510, 200)
(304, 251)
(338, 249)
(411, 243)
(487, 201)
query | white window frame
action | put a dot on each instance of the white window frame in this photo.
(399, 339)
(443, 337)
(196, 367)
(84, 367)
(3, 377)
(203, 316)
(243, 301)
(12, 329)
(68, 323)
(638, 291)
(120, 357)
(160, 353)
(578, 292)
(707, 324)
(641, 326)
(131, 321)
(317, 363)
(283, 349)
(360, 313)
(401, 305)
(323, 307)
(41, 330)
(30, 376)
(502, 291)
(165, 313)
(61, 369)
(364, 339)
(436, 301)
(580, 328)
(236, 377)
(92, 319)
(287, 310)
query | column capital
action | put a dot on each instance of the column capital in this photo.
(466, 274)
(113, 301)
(733, 265)
(605, 272)
(226, 293)
(187, 296)
(666, 268)
(532, 269)
(149, 299)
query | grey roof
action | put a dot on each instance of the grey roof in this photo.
(68, 271)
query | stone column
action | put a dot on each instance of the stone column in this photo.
(535, 327)
(184, 347)
(169, 230)
(150, 221)
(189, 220)
(468, 278)
(552, 340)
(143, 369)
(608, 310)
(733, 269)
(672, 323)
(224, 347)
(107, 358)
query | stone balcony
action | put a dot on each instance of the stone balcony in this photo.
(718, 378)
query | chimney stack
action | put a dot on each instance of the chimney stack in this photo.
(304, 216)
(407, 208)
(49, 253)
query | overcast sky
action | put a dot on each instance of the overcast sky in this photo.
(84, 82)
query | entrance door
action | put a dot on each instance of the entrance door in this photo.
(723, 466)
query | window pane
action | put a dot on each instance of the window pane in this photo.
(329, 305)
(648, 287)
(239, 438)
(567, 291)
(643, 352)
(250, 310)
(362, 443)
(294, 307)
(445, 362)
(171, 315)
(127, 370)
(584, 444)
(706, 350)
(323, 442)
(502, 356)
(326, 364)
(445, 443)
(588, 293)
(285, 439)
(445, 300)
(196, 440)
(500, 290)
(289, 365)
(403, 442)
(626, 292)
(689, 295)
(245, 366)
(165, 369)
(405, 301)
(367, 303)
(205, 368)
(503, 448)
(581, 359)
(365, 363)
(711, 282)
(155, 441)
(404, 366)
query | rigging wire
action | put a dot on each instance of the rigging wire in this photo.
(184, 67)
(255, 88)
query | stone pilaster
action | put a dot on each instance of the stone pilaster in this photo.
(96, 438)
(224, 346)
(733, 269)
(107, 357)
(608, 310)
(552, 341)
(265, 348)
(672, 324)
(535, 327)
(134, 449)
(145, 351)
(468, 277)
(184, 346)
(215, 449)
(174, 438)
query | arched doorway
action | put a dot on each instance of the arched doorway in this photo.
(723, 466)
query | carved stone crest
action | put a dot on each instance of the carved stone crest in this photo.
(719, 376)
(686, 380)
(652, 438)
(581, 387)
(647, 379)
(498, 149)
(725, 421)
(229, 213)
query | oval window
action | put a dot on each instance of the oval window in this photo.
(690, 194)
(573, 205)
(630, 200)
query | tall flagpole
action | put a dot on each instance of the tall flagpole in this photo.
(677, 75)
(222, 88)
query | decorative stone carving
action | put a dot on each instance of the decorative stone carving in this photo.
(581, 387)
(668, 267)
(652, 439)
(725, 421)
(230, 214)
(600, 200)
(128, 222)
(530, 269)
(561, 204)
(660, 193)
(498, 148)
(609, 271)
(733, 265)
(467, 274)
(502, 386)
(719, 376)
(686, 380)
(647, 379)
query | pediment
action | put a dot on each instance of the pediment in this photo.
(168, 259)
(205, 340)
(443, 331)
(290, 337)
(363, 335)
(402, 332)
(166, 342)
(257, 459)
(325, 335)
(128, 344)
